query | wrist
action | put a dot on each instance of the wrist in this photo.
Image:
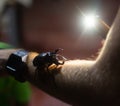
(29, 62)
(4, 55)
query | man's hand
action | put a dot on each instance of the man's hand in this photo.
(4, 54)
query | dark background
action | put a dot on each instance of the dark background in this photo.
(51, 24)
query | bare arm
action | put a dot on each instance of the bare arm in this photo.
(82, 81)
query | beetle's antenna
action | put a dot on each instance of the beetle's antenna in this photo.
(57, 50)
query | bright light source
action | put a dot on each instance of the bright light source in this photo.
(90, 21)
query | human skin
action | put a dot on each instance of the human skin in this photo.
(82, 82)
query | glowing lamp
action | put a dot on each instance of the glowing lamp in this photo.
(90, 21)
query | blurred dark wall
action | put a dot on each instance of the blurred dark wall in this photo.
(51, 24)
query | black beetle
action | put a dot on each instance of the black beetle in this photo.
(47, 59)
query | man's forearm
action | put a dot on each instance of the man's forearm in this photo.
(92, 81)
